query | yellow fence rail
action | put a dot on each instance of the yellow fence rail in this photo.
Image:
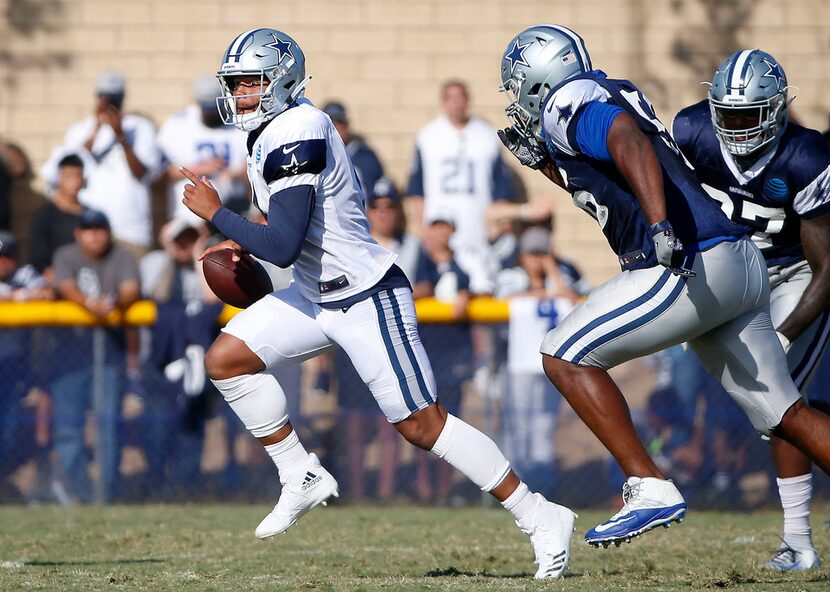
(69, 314)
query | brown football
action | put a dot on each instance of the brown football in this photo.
(238, 283)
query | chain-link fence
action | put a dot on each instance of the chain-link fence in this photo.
(81, 423)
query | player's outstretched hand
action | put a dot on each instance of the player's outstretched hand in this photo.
(200, 196)
(225, 244)
(528, 150)
(669, 249)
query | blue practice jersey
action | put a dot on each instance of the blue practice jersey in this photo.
(786, 184)
(599, 188)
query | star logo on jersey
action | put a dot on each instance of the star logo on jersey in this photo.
(775, 72)
(283, 48)
(516, 55)
(293, 167)
(565, 113)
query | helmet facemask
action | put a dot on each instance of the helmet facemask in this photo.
(744, 128)
(277, 92)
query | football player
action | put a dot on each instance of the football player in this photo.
(688, 272)
(347, 292)
(772, 175)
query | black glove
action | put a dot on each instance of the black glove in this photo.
(529, 150)
(668, 248)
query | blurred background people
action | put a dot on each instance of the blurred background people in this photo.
(196, 138)
(55, 221)
(176, 402)
(121, 161)
(101, 277)
(366, 162)
(449, 345)
(457, 166)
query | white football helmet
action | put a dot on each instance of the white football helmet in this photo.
(536, 60)
(273, 56)
(748, 101)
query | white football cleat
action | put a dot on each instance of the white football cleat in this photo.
(551, 538)
(789, 559)
(298, 497)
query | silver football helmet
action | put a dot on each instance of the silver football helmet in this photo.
(280, 64)
(536, 60)
(748, 101)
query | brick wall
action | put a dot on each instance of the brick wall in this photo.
(386, 58)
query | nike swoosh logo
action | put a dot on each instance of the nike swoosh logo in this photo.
(605, 526)
(290, 149)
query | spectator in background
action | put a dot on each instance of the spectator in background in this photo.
(387, 224)
(458, 167)
(541, 289)
(121, 160)
(449, 344)
(176, 386)
(196, 138)
(54, 223)
(101, 277)
(365, 161)
(360, 413)
(17, 438)
(505, 220)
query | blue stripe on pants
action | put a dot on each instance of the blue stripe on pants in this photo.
(652, 292)
(393, 357)
(410, 353)
(636, 323)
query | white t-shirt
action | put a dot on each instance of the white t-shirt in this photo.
(458, 171)
(186, 141)
(110, 185)
(338, 249)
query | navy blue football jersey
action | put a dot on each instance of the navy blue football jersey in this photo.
(786, 184)
(598, 187)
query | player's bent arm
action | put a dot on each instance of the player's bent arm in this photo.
(128, 294)
(815, 238)
(280, 241)
(634, 156)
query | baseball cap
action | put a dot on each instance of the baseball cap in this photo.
(384, 187)
(90, 218)
(110, 82)
(440, 215)
(178, 225)
(534, 240)
(336, 111)
(205, 90)
(8, 244)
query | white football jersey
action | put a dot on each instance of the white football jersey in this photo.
(186, 141)
(458, 172)
(339, 257)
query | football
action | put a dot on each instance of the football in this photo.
(238, 283)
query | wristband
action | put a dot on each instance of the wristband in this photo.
(661, 226)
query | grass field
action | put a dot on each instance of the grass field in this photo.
(366, 548)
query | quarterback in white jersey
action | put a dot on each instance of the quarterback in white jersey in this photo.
(197, 138)
(347, 292)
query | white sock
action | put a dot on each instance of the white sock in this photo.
(522, 504)
(472, 453)
(289, 455)
(257, 399)
(796, 493)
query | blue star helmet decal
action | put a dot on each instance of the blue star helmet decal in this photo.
(517, 54)
(565, 113)
(283, 48)
(775, 72)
